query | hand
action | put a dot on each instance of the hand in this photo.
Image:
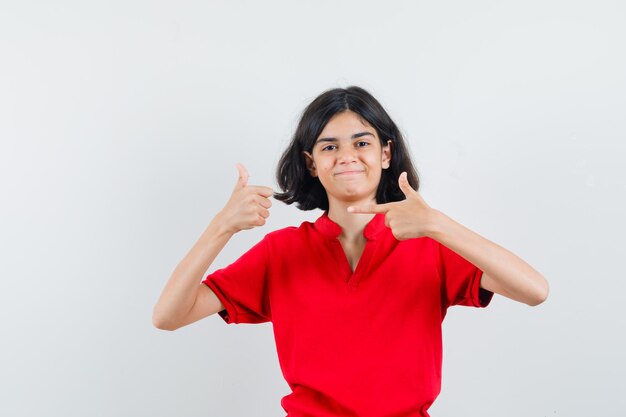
(408, 218)
(248, 205)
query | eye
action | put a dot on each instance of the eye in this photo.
(326, 147)
(362, 141)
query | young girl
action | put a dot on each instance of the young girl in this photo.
(356, 298)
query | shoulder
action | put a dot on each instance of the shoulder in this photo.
(414, 250)
(281, 234)
(432, 246)
(290, 234)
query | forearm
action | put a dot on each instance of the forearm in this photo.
(503, 272)
(181, 289)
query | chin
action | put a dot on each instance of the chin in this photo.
(351, 196)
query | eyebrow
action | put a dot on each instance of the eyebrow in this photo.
(356, 135)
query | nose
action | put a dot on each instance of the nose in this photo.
(347, 155)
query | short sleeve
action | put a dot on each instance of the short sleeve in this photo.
(242, 287)
(460, 280)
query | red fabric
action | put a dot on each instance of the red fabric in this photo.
(361, 344)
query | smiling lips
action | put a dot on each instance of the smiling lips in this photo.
(348, 173)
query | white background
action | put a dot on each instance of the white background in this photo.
(120, 126)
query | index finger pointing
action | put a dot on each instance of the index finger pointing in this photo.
(369, 208)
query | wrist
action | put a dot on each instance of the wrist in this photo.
(220, 227)
(435, 224)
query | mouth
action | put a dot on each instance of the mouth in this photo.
(347, 173)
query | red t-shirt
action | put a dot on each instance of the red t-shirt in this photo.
(363, 343)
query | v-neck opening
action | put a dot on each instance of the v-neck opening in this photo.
(358, 261)
(349, 276)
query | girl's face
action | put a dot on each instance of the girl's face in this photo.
(348, 159)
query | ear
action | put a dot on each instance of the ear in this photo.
(386, 154)
(310, 164)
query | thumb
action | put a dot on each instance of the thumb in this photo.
(242, 181)
(404, 184)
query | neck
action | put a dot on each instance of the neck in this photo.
(352, 225)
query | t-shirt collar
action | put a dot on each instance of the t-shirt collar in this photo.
(331, 229)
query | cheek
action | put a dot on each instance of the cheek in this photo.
(323, 164)
(375, 160)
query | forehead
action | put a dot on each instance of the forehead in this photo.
(345, 124)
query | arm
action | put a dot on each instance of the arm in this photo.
(503, 272)
(185, 299)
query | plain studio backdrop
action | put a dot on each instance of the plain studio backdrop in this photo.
(121, 123)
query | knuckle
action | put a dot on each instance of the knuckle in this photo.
(263, 202)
